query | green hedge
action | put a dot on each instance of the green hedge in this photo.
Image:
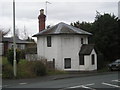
(20, 54)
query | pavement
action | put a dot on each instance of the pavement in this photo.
(6, 83)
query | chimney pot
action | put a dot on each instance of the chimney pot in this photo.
(42, 11)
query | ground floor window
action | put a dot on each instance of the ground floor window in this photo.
(81, 59)
(67, 63)
(93, 59)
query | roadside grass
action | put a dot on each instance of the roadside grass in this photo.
(24, 69)
(1, 60)
(27, 69)
(56, 72)
(23, 61)
(105, 69)
(4, 60)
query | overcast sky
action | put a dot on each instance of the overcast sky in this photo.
(67, 11)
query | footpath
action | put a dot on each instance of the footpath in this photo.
(7, 83)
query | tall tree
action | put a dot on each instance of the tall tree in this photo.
(106, 32)
(83, 25)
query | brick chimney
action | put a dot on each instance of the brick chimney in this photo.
(41, 19)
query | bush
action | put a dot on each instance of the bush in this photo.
(7, 71)
(10, 56)
(28, 69)
(25, 70)
(22, 54)
(39, 68)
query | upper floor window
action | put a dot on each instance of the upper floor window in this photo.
(48, 41)
(81, 40)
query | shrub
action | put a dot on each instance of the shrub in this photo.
(25, 70)
(39, 68)
(10, 56)
(7, 71)
(22, 54)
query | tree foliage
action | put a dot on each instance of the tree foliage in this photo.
(10, 55)
(106, 32)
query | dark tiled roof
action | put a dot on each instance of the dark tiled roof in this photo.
(18, 41)
(86, 49)
(6, 39)
(62, 28)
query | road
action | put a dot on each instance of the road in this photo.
(94, 82)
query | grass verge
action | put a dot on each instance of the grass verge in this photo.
(27, 69)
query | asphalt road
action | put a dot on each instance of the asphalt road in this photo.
(110, 81)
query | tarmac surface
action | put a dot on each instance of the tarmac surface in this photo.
(52, 80)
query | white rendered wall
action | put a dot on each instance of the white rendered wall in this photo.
(88, 62)
(47, 52)
(93, 67)
(63, 46)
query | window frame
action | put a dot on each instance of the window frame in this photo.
(49, 41)
(67, 67)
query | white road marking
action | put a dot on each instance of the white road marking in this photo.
(22, 83)
(116, 80)
(75, 86)
(87, 87)
(112, 85)
(83, 86)
(90, 84)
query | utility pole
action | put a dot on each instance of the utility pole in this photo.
(14, 41)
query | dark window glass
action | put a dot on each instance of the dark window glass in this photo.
(81, 40)
(67, 63)
(54, 63)
(81, 60)
(48, 41)
(93, 59)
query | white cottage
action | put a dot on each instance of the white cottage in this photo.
(65, 45)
